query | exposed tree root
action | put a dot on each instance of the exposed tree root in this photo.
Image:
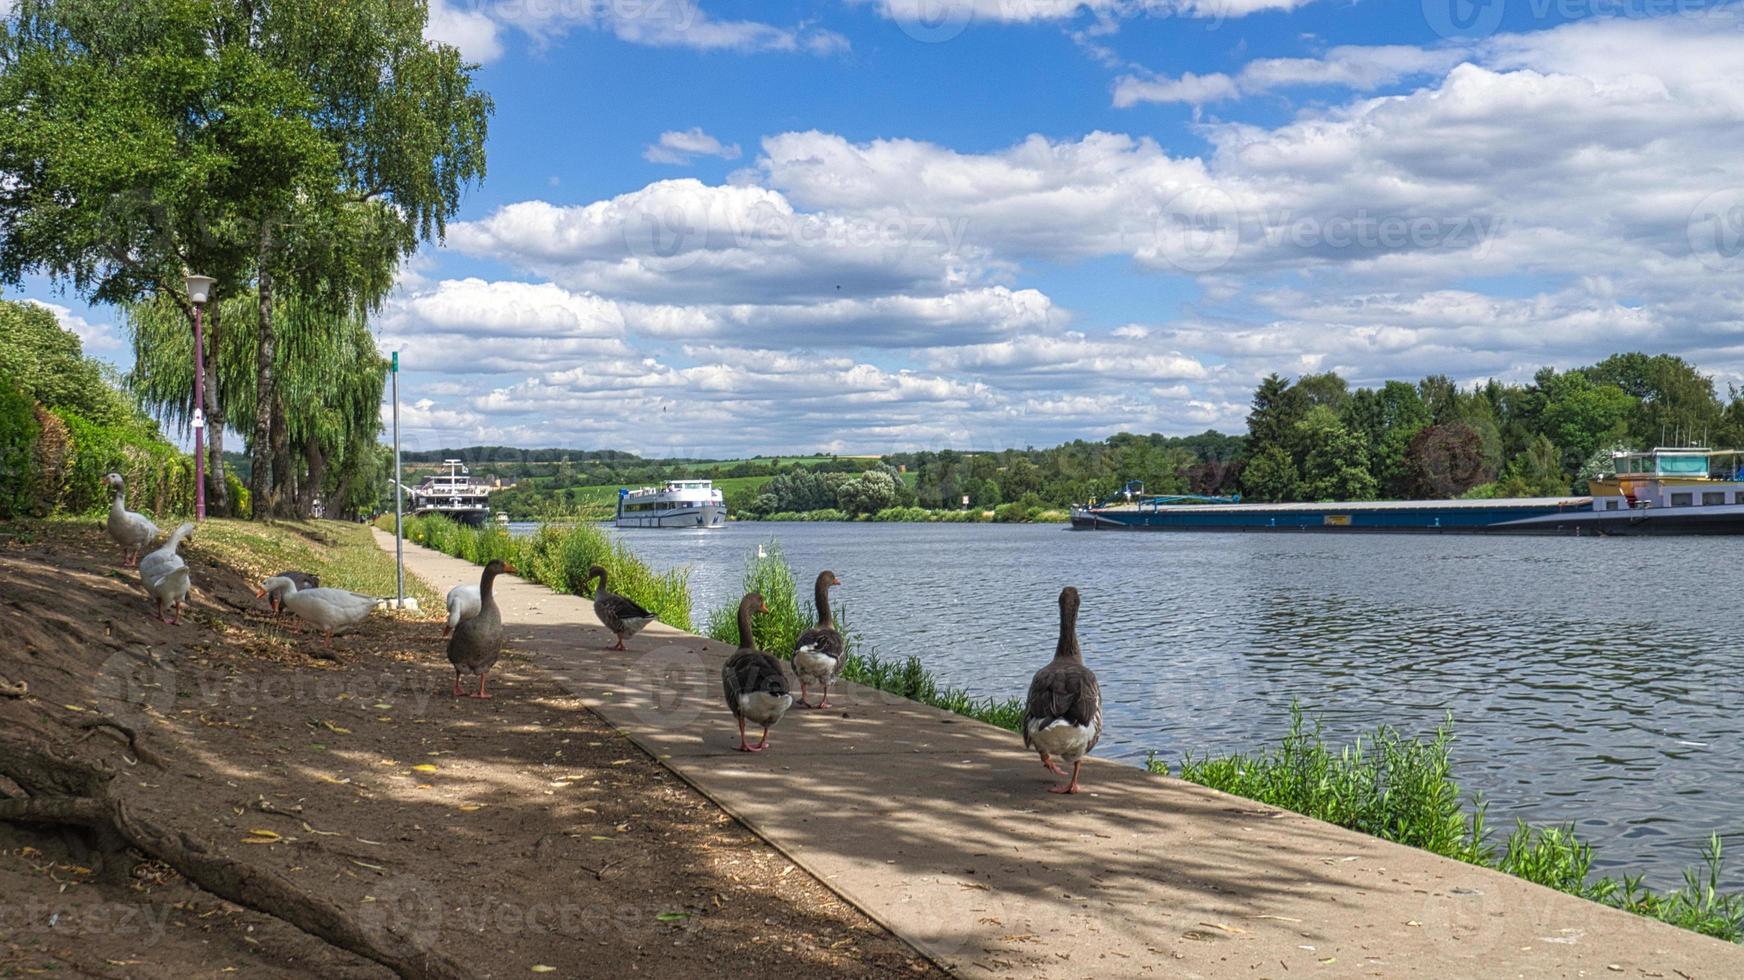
(139, 751)
(66, 791)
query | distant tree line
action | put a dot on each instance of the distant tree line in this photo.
(1316, 439)
(1311, 438)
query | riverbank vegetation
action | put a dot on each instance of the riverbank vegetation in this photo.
(558, 557)
(767, 572)
(1402, 789)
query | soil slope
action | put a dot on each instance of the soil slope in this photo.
(509, 836)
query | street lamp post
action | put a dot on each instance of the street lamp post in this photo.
(399, 516)
(199, 290)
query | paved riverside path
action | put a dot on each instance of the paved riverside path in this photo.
(939, 828)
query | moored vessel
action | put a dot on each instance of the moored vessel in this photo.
(1662, 491)
(677, 503)
(453, 494)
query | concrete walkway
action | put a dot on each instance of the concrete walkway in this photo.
(939, 828)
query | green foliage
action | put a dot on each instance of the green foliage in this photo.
(160, 479)
(1334, 460)
(1401, 789)
(873, 491)
(776, 631)
(48, 365)
(769, 575)
(53, 458)
(18, 434)
(1390, 786)
(296, 149)
(1271, 475)
(558, 557)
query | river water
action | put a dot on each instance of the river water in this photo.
(1597, 681)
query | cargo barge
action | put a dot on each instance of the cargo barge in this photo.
(1663, 491)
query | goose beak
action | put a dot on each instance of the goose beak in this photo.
(260, 593)
(763, 607)
(510, 569)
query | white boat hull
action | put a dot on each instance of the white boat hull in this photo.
(709, 515)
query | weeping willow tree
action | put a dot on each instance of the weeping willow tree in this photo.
(294, 150)
(323, 410)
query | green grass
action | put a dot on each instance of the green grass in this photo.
(343, 554)
(1402, 789)
(558, 556)
(776, 631)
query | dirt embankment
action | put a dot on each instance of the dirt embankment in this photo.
(505, 838)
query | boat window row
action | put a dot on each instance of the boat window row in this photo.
(1712, 498)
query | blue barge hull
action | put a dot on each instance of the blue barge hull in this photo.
(1534, 515)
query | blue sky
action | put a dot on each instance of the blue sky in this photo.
(713, 227)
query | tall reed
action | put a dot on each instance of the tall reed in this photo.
(558, 557)
(769, 573)
(1402, 789)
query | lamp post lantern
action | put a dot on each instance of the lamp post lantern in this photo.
(199, 291)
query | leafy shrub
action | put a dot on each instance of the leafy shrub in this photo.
(18, 434)
(558, 556)
(160, 480)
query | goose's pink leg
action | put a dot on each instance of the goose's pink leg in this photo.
(1071, 787)
(745, 746)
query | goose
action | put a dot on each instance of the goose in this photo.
(165, 575)
(302, 580)
(463, 601)
(478, 640)
(132, 531)
(1063, 717)
(328, 609)
(620, 615)
(817, 654)
(752, 680)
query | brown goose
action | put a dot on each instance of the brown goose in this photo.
(478, 641)
(752, 680)
(622, 616)
(304, 581)
(1064, 715)
(817, 654)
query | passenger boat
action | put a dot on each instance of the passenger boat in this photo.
(454, 495)
(677, 503)
(1661, 491)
